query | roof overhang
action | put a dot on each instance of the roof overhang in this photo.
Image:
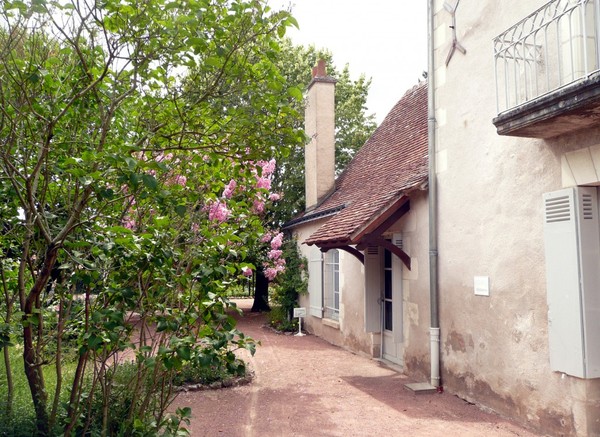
(371, 233)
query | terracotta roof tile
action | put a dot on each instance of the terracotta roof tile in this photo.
(390, 163)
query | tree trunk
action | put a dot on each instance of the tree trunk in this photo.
(9, 383)
(31, 359)
(7, 364)
(261, 293)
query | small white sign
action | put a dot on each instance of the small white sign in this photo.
(482, 285)
(299, 312)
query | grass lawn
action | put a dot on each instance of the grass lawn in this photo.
(22, 422)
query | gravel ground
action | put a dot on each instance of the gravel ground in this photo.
(304, 386)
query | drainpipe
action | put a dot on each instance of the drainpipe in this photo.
(434, 330)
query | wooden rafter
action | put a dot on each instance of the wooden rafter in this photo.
(351, 250)
(383, 222)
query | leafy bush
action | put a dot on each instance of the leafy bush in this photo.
(198, 374)
(280, 320)
(293, 281)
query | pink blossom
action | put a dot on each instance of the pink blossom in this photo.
(179, 180)
(229, 189)
(274, 254)
(218, 212)
(270, 273)
(247, 271)
(263, 182)
(277, 241)
(274, 197)
(129, 223)
(268, 167)
(167, 157)
(266, 237)
(258, 206)
(280, 262)
(195, 227)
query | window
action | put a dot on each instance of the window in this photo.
(332, 284)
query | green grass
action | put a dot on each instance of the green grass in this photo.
(22, 422)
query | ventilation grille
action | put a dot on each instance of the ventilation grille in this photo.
(397, 241)
(558, 209)
(586, 205)
(372, 250)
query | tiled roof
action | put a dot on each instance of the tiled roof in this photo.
(392, 162)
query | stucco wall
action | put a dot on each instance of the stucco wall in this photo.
(495, 349)
(350, 331)
(415, 286)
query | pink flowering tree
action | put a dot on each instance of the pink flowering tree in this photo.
(133, 176)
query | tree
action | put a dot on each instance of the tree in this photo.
(353, 128)
(121, 125)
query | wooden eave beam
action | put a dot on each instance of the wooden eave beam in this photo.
(378, 241)
(383, 222)
(351, 250)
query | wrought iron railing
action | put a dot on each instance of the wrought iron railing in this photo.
(553, 47)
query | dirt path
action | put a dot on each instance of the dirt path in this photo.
(306, 387)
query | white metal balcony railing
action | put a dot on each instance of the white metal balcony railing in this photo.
(551, 48)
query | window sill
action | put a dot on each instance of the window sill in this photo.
(335, 324)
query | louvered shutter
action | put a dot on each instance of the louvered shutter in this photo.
(315, 282)
(571, 232)
(397, 296)
(372, 289)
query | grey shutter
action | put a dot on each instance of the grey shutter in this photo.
(372, 289)
(397, 294)
(315, 282)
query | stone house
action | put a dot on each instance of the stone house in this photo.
(500, 226)
(517, 139)
(360, 232)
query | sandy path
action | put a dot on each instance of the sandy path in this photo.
(305, 387)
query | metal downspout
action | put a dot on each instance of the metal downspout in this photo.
(434, 330)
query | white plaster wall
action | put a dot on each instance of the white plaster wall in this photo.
(415, 285)
(349, 331)
(495, 349)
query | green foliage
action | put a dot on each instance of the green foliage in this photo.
(124, 398)
(202, 373)
(120, 125)
(22, 420)
(279, 319)
(290, 284)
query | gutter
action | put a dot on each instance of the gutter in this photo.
(434, 384)
(434, 330)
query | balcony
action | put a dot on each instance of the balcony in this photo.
(547, 71)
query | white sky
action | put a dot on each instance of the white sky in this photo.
(384, 39)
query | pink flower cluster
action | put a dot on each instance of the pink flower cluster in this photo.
(229, 189)
(263, 172)
(263, 181)
(218, 211)
(275, 263)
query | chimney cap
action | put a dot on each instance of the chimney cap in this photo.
(319, 73)
(320, 70)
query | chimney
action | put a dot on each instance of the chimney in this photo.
(319, 125)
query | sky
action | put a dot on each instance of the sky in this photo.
(384, 39)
